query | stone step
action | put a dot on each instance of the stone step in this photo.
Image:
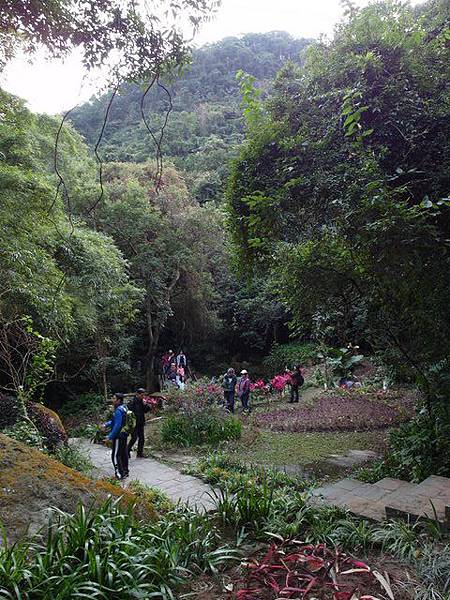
(391, 498)
(428, 499)
(436, 487)
(390, 484)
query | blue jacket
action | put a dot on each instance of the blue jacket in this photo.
(117, 422)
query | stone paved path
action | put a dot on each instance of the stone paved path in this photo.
(176, 485)
(391, 498)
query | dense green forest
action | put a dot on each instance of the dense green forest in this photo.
(205, 123)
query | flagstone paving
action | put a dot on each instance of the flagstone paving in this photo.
(176, 485)
(391, 498)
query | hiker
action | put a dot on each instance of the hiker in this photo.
(164, 364)
(229, 381)
(182, 360)
(296, 381)
(243, 390)
(171, 359)
(139, 408)
(172, 375)
(118, 436)
(181, 377)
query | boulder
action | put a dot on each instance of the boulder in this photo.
(31, 482)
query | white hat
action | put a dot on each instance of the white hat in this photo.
(244, 372)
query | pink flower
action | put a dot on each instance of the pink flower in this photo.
(279, 382)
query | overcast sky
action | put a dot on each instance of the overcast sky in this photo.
(54, 87)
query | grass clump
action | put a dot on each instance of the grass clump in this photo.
(73, 457)
(154, 497)
(221, 469)
(106, 553)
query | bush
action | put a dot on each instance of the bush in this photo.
(289, 355)
(26, 433)
(48, 424)
(73, 457)
(154, 497)
(209, 427)
(417, 449)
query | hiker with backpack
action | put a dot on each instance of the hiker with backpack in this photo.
(118, 435)
(229, 381)
(139, 408)
(296, 381)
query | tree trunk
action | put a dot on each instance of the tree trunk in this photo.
(154, 328)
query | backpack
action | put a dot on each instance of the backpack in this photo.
(130, 421)
(297, 379)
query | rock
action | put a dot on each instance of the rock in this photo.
(39, 482)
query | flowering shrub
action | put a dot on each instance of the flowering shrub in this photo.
(194, 417)
(279, 382)
(260, 387)
(195, 398)
(153, 402)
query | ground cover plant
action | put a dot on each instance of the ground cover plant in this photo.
(303, 451)
(221, 469)
(106, 553)
(342, 410)
(298, 570)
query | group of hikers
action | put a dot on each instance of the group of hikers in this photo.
(241, 387)
(127, 420)
(174, 369)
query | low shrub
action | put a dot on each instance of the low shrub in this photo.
(27, 433)
(154, 497)
(289, 355)
(95, 433)
(417, 449)
(209, 427)
(73, 457)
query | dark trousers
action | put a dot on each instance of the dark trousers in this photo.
(244, 399)
(138, 434)
(229, 400)
(119, 455)
(294, 393)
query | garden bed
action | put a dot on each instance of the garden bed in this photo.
(342, 411)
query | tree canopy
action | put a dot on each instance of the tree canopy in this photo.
(341, 188)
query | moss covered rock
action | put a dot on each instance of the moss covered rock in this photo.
(31, 482)
(48, 424)
(46, 421)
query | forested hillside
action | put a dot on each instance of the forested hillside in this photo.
(205, 123)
